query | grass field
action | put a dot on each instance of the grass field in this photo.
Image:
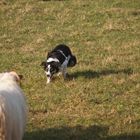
(101, 98)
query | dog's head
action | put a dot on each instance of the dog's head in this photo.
(51, 68)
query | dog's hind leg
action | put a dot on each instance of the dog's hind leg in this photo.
(64, 73)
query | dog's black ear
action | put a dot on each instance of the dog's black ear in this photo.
(43, 64)
(49, 54)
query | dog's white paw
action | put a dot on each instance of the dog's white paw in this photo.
(48, 80)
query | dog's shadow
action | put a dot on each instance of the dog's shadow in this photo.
(89, 74)
(94, 132)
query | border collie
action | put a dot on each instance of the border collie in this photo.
(13, 108)
(58, 60)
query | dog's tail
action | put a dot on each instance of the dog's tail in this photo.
(72, 61)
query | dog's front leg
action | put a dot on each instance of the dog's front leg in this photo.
(48, 80)
(59, 73)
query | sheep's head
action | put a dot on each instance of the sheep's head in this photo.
(16, 77)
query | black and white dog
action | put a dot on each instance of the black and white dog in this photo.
(58, 60)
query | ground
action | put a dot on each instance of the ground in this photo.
(100, 99)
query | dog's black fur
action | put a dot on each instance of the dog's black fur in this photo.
(66, 50)
(58, 60)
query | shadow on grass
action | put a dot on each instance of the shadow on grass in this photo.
(124, 137)
(69, 133)
(89, 74)
(77, 133)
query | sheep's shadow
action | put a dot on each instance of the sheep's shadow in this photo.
(69, 133)
(89, 74)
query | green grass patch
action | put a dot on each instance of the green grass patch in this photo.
(100, 99)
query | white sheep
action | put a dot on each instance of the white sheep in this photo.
(13, 108)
